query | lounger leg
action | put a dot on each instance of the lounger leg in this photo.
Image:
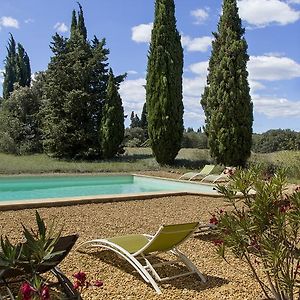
(188, 263)
(127, 256)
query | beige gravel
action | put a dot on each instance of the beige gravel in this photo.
(225, 280)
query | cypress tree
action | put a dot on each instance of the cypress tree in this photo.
(74, 93)
(23, 67)
(81, 24)
(226, 99)
(164, 85)
(112, 124)
(144, 122)
(73, 24)
(10, 69)
(17, 68)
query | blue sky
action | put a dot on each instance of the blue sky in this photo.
(272, 33)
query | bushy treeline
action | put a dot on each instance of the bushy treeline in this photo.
(276, 140)
(73, 109)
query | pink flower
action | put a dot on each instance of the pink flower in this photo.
(98, 283)
(26, 291)
(76, 285)
(213, 220)
(45, 295)
(80, 276)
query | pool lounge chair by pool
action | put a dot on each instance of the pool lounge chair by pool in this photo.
(207, 169)
(63, 246)
(138, 249)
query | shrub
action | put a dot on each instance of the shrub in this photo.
(263, 230)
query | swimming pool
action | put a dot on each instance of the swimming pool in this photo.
(45, 189)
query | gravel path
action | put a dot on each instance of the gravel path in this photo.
(225, 281)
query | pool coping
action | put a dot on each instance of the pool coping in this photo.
(80, 200)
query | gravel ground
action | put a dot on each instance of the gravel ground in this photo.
(225, 281)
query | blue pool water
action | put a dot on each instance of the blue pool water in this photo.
(33, 187)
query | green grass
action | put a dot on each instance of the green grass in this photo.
(139, 159)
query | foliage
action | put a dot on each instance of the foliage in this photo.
(134, 120)
(193, 139)
(263, 229)
(74, 93)
(135, 137)
(276, 140)
(30, 255)
(164, 85)
(226, 100)
(19, 122)
(16, 69)
(144, 122)
(112, 123)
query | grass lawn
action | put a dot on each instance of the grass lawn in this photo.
(139, 159)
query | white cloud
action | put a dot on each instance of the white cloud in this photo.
(274, 107)
(133, 94)
(200, 68)
(61, 27)
(272, 68)
(201, 44)
(142, 33)
(201, 15)
(294, 1)
(255, 86)
(9, 22)
(264, 12)
(132, 72)
(1, 76)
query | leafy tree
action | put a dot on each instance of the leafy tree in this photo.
(226, 100)
(17, 68)
(277, 140)
(19, 122)
(164, 85)
(112, 125)
(74, 93)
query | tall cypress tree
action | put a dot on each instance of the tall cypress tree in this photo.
(226, 100)
(81, 24)
(112, 124)
(23, 67)
(164, 85)
(10, 69)
(73, 24)
(144, 122)
(17, 68)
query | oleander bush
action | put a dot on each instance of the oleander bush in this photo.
(263, 229)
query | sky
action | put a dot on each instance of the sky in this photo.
(272, 34)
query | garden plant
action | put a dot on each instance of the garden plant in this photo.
(263, 229)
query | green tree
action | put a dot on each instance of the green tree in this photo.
(19, 122)
(226, 100)
(10, 68)
(74, 93)
(23, 67)
(135, 120)
(144, 122)
(17, 67)
(112, 123)
(164, 85)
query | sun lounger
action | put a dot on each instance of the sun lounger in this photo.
(138, 249)
(63, 247)
(204, 172)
